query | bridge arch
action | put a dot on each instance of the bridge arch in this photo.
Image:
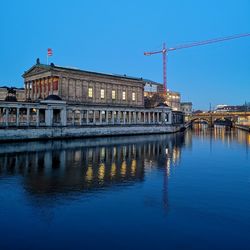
(201, 119)
(224, 121)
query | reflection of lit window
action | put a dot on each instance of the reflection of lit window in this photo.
(89, 174)
(123, 95)
(102, 94)
(133, 96)
(90, 92)
(102, 154)
(113, 94)
(101, 171)
(114, 151)
(113, 169)
(123, 168)
(133, 167)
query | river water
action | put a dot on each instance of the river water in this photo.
(187, 190)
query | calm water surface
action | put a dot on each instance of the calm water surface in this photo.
(184, 191)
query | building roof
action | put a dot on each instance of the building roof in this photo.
(186, 103)
(162, 104)
(5, 87)
(53, 98)
(57, 67)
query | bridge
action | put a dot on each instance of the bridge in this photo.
(216, 117)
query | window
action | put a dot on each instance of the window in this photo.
(133, 96)
(90, 92)
(102, 94)
(123, 95)
(113, 94)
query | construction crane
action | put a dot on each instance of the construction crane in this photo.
(165, 51)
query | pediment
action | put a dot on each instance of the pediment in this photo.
(36, 69)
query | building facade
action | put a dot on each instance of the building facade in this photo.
(82, 87)
(19, 93)
(172, 98)
(152, 87)
(186, 108)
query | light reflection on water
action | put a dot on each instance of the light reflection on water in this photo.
(152, 185)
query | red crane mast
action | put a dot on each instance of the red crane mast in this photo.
(165, 51)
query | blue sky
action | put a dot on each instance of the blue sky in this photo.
(111, 36)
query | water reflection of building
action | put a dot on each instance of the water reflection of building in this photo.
(222, 133)
(84, 165)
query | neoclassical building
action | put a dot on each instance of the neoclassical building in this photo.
(82, 87)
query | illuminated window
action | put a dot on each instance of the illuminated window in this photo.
(113, 94)
(90, 92)
(133, 96)
(102, 94)
(123, 95)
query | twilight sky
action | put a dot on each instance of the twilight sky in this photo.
(111, 36)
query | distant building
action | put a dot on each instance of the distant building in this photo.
(172, 99)
(152, 87)
(231, 108)
(19, 93)
(186, 107)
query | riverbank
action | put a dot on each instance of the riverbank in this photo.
(47, 133)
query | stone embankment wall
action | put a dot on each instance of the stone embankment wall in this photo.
(12, 134)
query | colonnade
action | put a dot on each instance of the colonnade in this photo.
(60, 114)
(41, 88)
(117, 116)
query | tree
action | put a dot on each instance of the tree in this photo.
(154, 100)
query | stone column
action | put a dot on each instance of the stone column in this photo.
(94, 120)
(45, 87)
(37, 117)
(119, 117)
(170, 117)
(87, 117)
(6, 117)
(144, 117)
(81, 116)
(153, 117)
(63, 116)
(157, 117)
(113, 117)
(26, 90)
(134, 117)
(28, 117)
(107, 116)
(17, 117)
(100, 116)
(73, 117)
(32, 90)
(48, 117)
(43, 84)
(124, 117)
(129, 117)
(139, 117)
(39, 88)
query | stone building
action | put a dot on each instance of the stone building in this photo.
(186, 108)
(82, 87)
(152, 87)
(19, 93)
(172, 98)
